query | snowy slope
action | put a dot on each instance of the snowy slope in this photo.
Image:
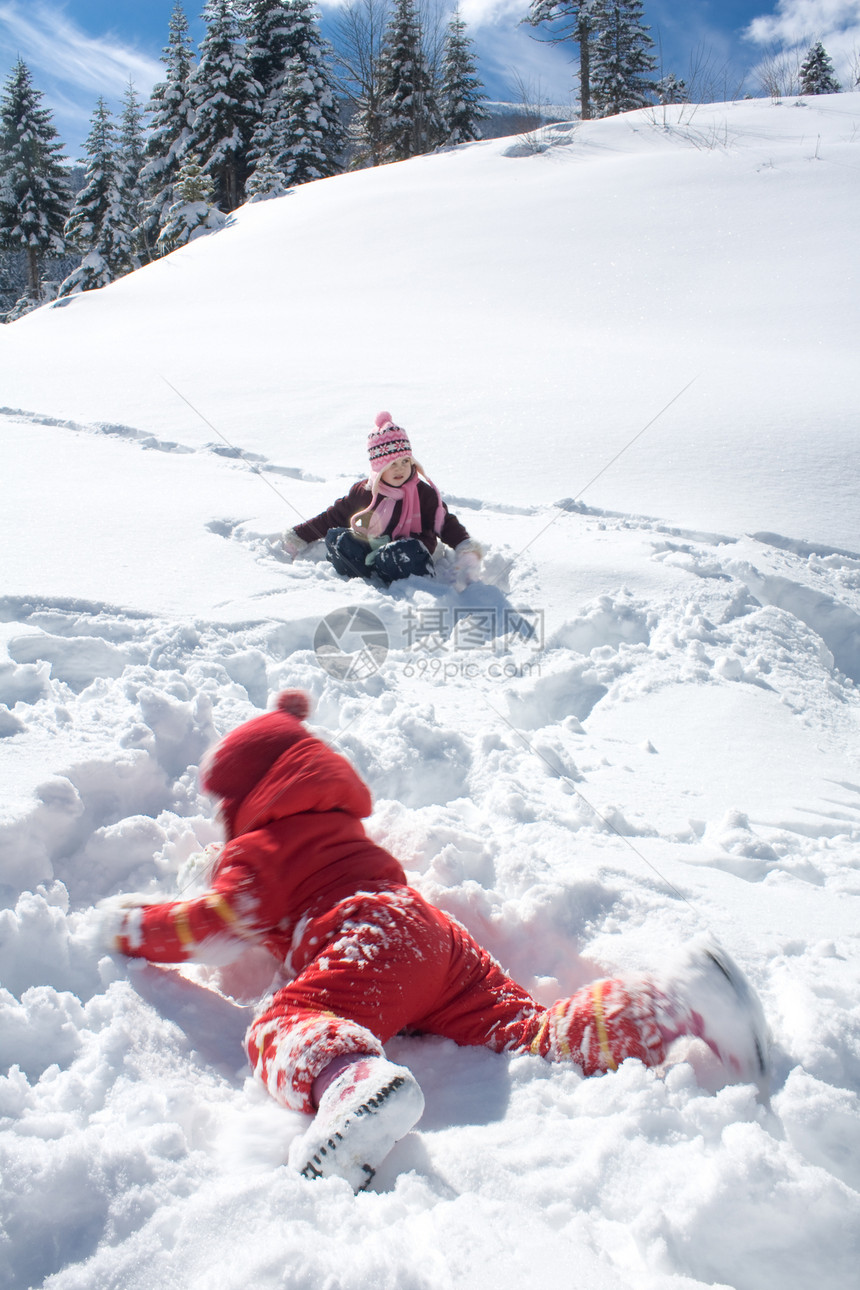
(563, 298)
(673, 750)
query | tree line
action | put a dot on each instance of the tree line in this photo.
(617, 59)
(266, 103)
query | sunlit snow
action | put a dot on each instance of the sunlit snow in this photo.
(627, 354)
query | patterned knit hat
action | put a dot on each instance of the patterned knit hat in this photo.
(386, 443)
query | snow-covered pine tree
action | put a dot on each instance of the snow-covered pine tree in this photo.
(622, 58)
(411, 120)
(265, 181)
(225, 99)
(575, 21)
(270, 45)
(311, 136)
(129, 165)
(34, 197)
(298, 130)
(817, 73)
(670, 90)
(462, 95)
(171, 117)
(192, 213)
(99, 226)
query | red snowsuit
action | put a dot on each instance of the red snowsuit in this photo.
(369, 956)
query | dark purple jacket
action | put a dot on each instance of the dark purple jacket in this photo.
(359, 497)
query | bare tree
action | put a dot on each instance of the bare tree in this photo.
(358, 33)
(779, 72)
(433, 18)
(709, 80)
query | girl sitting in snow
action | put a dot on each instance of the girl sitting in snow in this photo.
(368, 957)
(391, 522)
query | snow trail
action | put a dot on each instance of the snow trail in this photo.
(645, 724)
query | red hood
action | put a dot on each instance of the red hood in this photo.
(309, 776)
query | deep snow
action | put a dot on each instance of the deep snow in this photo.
(644, 724)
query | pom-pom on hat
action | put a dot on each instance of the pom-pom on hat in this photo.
(387, 442)
(243, 757)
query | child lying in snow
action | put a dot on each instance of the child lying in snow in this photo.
(369, 957)
(391, 522)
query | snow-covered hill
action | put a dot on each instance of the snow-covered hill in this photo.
(643, 725)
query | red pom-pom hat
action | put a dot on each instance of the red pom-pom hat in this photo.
(238, 763)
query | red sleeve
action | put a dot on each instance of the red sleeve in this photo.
(337, 516)
(239, 908)
(180, 930)
(453, 532)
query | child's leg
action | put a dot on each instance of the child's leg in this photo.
(704, 994)
(596, 1028)
(290, 1046)
(378, 962)
(347, 553)
(599, 1026)
(403, 558)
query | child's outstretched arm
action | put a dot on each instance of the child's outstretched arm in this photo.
(337, 516)
(214, 927)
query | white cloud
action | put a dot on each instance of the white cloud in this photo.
(486, 13)
(52, 45)
(70, 68)
(796, 21)
(795, 24)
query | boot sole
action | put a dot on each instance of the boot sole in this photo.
(358, 1143)
(741, 989)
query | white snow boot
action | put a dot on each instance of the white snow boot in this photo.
(706, 995)
(368, 1107)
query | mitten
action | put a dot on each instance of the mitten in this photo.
(108, 921)
(293, 545)
(467, 565)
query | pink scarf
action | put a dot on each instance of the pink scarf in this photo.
(376, 518)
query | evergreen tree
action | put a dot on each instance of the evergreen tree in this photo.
(226, 101)
(622, 58)
(171, 115)
(462, 93)
(270, 48)
(298, 128)
(8, 292)
(192, 213)
(270, 43)
(311, 135)
(129, 165)
(34, 197)
(576, 21)
(817, 73)
(265, 181)
(670, 90)
(411, 121)
(99, 225)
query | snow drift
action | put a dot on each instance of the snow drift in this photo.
(642, 725)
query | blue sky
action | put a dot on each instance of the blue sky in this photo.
(80, 49)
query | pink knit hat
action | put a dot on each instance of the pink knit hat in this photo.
(386, 443)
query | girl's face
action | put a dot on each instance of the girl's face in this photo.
(398, 472)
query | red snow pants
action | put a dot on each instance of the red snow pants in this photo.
(387, 961)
